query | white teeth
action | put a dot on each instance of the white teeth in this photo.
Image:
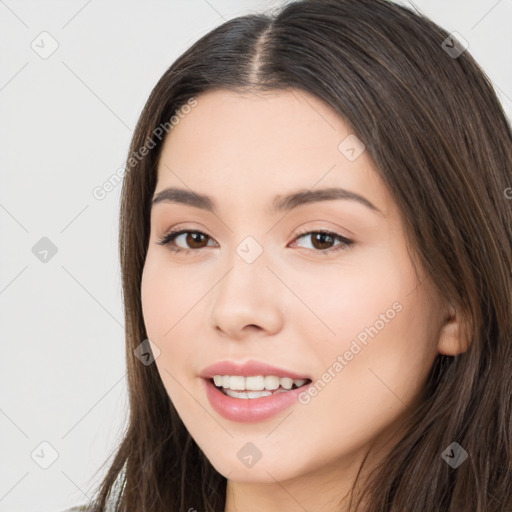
(237, 382)
(286, 383)
(271, 382)
(255, 383)
(247, 394)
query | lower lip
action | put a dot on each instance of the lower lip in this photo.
(248, 410)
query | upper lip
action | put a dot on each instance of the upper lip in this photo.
(247, 369)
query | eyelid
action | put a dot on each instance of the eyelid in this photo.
(171, 235)
(345, 244)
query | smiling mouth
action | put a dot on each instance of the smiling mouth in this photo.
(256, 387)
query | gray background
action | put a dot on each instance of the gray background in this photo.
(66, 122)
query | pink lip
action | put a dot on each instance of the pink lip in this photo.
(251, 409)
(248, 369)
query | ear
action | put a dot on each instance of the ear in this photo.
(453, 335)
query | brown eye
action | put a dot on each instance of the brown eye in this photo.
(322, 241)
(195, 239)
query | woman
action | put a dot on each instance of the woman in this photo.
(316, 254)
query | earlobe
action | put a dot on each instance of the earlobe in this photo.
(453, 339)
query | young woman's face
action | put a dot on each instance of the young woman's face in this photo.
(357, 321)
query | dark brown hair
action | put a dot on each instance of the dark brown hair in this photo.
(439, 137)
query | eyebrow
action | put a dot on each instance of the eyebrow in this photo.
(280, 203)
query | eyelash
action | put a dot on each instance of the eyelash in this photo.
(170, 237)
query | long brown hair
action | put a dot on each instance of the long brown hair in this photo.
(443, 145)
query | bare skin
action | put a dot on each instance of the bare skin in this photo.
(294, 306)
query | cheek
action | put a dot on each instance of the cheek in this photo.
(376, 329)
(373, 367)
(167, 295)
(165, 303)
(351, 296)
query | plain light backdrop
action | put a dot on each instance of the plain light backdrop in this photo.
(66, 119)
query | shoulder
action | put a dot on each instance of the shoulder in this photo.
(116, 490)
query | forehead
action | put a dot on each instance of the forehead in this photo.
(251, 144)
(222, 118)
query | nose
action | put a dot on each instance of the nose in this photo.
(248, 298)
